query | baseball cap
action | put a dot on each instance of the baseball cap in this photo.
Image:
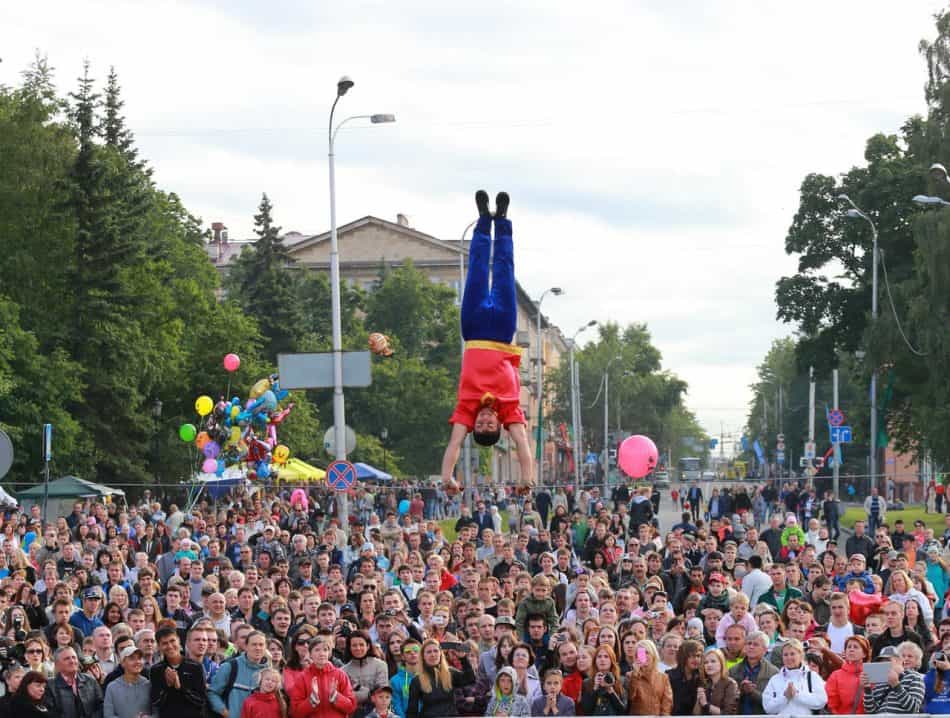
(92, 593)
(887, 652)
(367, 547)
(383, 688)
(892, 555)
(932, 548)
(348, 607)
(857, 556)
(129, 651)
(716, 576)
(504, 621)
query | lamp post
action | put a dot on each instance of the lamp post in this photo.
(856, 213)
(383, 435)
(930, 201)
(339, 411)
(606, 429)
(556, 291)
(576, 407)
(467, 446)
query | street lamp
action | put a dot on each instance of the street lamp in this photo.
(339, 411)
(939, 172)
(930, 201)
(383, 435)
(575, 405)
(856, 213)
(606, 406)
(556, 291)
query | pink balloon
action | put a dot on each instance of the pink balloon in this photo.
(637, 456)
(232, 362)
(209, 466)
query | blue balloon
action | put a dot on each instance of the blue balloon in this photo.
(263, 470)
(404, 507)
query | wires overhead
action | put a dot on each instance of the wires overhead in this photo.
(890, 300)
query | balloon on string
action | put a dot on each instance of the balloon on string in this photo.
(637, 456)
(232, 362)
(281, 453)
(209, 466)
(187, 432)
(211, 450)
(404, 507)
(204, 405)
(202, 440)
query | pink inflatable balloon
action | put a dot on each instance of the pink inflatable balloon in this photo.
(300, 496)
(209, 466)
(232, 362)
(637, 456)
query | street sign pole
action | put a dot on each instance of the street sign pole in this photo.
(836, 481)
(47, 455)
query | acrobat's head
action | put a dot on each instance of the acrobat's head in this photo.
(487, 429)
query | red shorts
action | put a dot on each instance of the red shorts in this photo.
(467, 409)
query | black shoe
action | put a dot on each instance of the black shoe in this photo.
(501, 205)
(481, 201)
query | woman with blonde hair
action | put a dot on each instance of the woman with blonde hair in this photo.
(718, 693)
(648, 689)
(152, 611)
(431, 693)
(603, 693)
(902, 590)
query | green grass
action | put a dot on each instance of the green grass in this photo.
(934, 521)
(448, 526)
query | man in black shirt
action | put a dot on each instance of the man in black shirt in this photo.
(178, 684)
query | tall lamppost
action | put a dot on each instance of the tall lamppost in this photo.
(576, 407)
(339, 411)
(856, 213)
(606, 428)
(556, 291)
(384, 435)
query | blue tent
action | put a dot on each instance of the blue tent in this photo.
(365, 472)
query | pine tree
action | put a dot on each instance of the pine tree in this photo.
(265, 286)
(113, 127)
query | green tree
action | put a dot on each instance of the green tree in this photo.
(263, 284)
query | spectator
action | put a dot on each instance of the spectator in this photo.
(903, 692)
(505, 701)
(648, 690)
(844, 689)
(430, 693)
(31, 698)
(795, 690)
(129, 696)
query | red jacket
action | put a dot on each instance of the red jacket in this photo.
(261, 705)
(571, 687)
(344, 705)
(844, 690)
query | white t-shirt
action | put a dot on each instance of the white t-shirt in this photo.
(837, 636)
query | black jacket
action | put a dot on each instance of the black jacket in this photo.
(438, 702)
(188, 702)
(684, 692)
(62, 702)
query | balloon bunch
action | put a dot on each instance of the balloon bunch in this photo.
(240, 433)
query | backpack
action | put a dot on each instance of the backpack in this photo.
(232, 678)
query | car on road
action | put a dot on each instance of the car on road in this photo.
(661, 479)
(709, 476)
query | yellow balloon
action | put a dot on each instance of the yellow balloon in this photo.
(259, 388)
(281, 454)
(235, 435)
(235, 410)
(204, 405)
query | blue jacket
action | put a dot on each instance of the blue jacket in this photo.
(934, 702)
(400, 685)
(842, 581)
(242, 688)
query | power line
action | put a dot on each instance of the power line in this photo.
(890, 299)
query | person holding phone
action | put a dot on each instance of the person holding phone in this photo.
(648, 689)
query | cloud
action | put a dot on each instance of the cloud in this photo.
(653, 150)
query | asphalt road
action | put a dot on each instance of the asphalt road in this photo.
(670, 514)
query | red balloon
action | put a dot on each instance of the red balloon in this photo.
(232, 362)
(637, 456)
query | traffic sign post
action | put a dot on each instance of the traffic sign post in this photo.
(836, 417)
(809, 449)
(341, 475)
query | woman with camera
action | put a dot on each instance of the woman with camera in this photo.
(431, 691)
(937, 684)
(603, 693)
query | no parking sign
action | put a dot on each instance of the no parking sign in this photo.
(341, 475)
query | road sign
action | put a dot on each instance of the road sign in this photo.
(329, 443)
(315, 371)
(341, 475)
(809, 449)
(835, 417)
(780, 438)
(780, 457)
(840, 434)
(591, 459)
(780, 446)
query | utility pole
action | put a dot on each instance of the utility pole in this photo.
(811, 407)
(837, 446)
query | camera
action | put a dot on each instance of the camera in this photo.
(11, 653)
(87, 662)
(608, 679)
(391, 612)
(938, 656)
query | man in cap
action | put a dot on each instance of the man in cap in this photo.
(129, 696)
(87, 619)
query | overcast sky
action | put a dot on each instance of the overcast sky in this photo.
(653, 150)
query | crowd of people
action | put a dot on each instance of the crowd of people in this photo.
(555, 603)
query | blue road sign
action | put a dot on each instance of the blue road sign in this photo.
(836, 417)
(592, 458)
(780, 457)
(840, 434)
(341, 475)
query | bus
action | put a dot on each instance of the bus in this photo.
(690, 469)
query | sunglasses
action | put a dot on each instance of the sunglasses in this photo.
(411, 649)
